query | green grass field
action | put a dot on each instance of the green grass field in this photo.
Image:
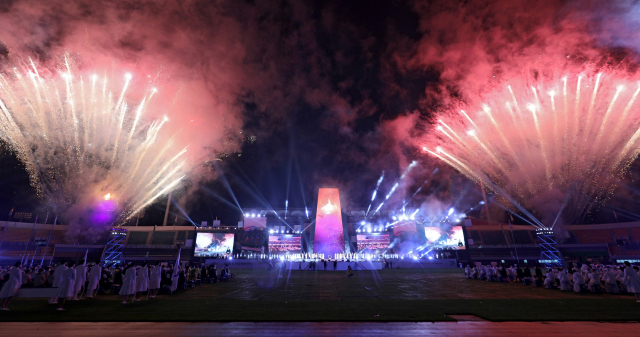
(384, 295)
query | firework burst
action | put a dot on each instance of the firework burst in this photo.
(79, 141)
(565, 140)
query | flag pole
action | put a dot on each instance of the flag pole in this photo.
(5, 229)
(514, 240)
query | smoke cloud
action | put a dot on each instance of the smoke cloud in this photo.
(231, 72)
(474, 48)
(227, 72)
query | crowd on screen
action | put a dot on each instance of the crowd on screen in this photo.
(134, 282)
(611, 279)
(284, 247)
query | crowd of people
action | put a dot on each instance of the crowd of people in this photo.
(611, 279)
(134, 282)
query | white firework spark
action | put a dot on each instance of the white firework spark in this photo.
(79, 142)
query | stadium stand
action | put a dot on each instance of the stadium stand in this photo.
(593, 236)
(137, 238)
(163, 238)
(17, 235)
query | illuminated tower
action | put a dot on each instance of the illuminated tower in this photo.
(329, 232)
(113, 251)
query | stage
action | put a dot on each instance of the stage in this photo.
(341, 265)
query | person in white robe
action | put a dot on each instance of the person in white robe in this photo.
(563, 279)
(550, 279)
(81, 278)
(610, 284)
(491, 274)
(128, 283)
(578, 281)
(632, 280)
(67, 286)
(620, 278)
(594, 281)
(10, 288)
(94, 279)
(474, 273)
(57, 278)
(142, 281)
(467, 271)
(154, 279)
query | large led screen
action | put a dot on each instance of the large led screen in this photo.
(452, 238)
(255, 235)
(284, 243)
(329, 233)
(209, 244)
(372, 243)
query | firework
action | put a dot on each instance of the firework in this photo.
(394, 187)
(565, 141)
(375, 192)
(80, 143)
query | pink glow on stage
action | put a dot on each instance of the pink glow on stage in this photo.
(329, 233)
(407, 227)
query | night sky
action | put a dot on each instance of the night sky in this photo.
(327, 93)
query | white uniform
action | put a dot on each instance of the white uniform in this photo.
(142, 280)
(594, 278)
(490, 273)
(632, 280)
(57, 275)
(578, 280)
(67, 286)
(94, 278)
(128, 282)
(564, 281)
(154, 279)
(11, 287)
(81, 277)
(610, 284)
(550, 280)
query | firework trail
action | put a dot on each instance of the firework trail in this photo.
(569, 139)
(395, 186)
(375, 192)
(80, 143)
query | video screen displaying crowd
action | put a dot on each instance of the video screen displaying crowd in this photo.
(134, 282)
(610, 279)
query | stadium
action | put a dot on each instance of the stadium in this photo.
(291, 234)
(282, 167)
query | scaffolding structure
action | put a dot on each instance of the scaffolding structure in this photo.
(549, 253)
(113, 250)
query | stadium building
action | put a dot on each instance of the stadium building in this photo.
(329, 231)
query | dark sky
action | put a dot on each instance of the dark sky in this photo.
(334, 92)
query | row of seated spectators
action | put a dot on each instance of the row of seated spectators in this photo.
(613, 279)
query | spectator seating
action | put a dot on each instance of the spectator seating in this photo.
(593, 236)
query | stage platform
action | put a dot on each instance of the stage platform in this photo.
(341, 265)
